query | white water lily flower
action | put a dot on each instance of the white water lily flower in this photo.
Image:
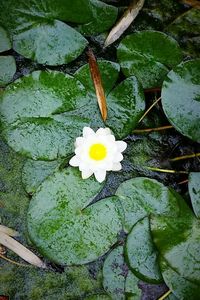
(97, 153)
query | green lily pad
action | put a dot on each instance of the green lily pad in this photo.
(62, 225)
(31, 113)
(181, 98)
(148, 55)
(109, 73)
(38, 32)
(132, 291)
(141, 253)
(194, 190)
(178, 242)
(186, 30)
(34, 172)
(114, 273)
(181, 287)
(55, 107)
(52, 44)
(7, 69)
(142, 196)
(103, 17)
(5, 40)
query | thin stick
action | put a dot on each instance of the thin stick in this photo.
(185, 157)
(165, 295)
(14, 262)
(166, 170)
(152, 129)
(184, 181)
(148, 110)
(96, 77)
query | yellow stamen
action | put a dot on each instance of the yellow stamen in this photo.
(97, 151)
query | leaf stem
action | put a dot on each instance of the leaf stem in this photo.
(165, 295)
(13, 262)
(152, 129)
(185, 157)
(148, 110)
(167, 170)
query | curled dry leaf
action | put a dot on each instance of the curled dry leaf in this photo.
(125, 21)
(96, 77)
(8, 231)
(20, 250)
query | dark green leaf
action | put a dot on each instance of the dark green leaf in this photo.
(194, 190)
(7, 69)
(178, 242)
(109, 73)
(148, 55)
(5, 43)
(98, 297)
(35, 172)
(181, 98)
(141, 253)
(132, 291)
(114, 273)
(103, 17)
(186, 29)
(32, 112)
(181, 287)
(54, 43)
(62, 226)
(142, 196)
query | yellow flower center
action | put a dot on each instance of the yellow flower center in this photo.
(97, 151)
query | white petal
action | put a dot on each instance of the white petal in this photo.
(79, 141)
(86, 173)
(121, 145)
(116, 167)
(118, 157)
(87, 131)
(74, 161)
(103, 131)
(100, 175)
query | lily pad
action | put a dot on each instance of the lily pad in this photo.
(178, 242)
(62, 225)
(132, 291)
(34, 172)
(194, 190)
(109, 74)
(181, 98)
(31, 113)
(55, 107)
(103, 17)
(148, 55)
(5, 40)
(141, 253)
(142, 196)
(38, 32)
(7, 69)
(181, 287)
(114, 273)
(54, 43)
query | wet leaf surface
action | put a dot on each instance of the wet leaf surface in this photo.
(148, 55)
(7, 69)
(141, 253)
(181, 98)
(194, 191)
(65, 222)
(142, 196)
(5, 40)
